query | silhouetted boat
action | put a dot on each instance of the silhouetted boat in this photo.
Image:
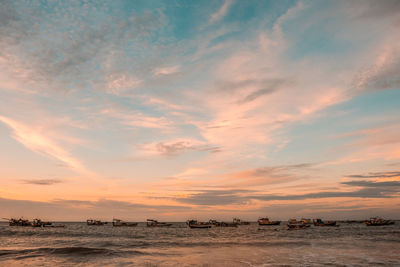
(18, 222)
(265, 222)
(118, 222)
(222, 224)
(198, 225)
(306, 221)
(319, 222)
(240, 222)
(40, 223)
(378, 222)
(297, 226)
(294, 224)
(155, 223)
(95, 222)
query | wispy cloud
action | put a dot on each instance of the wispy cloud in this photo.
(241, 197)
(37, 141)
(166, 70)
(221, 11)
(389, 174)
(176, 147)
(42, 181)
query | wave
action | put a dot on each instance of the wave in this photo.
(65, 251)
(217, 244)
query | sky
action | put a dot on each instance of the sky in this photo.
(199, 109)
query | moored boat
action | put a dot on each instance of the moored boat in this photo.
(222, 224)
(240, 222)
(155, 223)
(19, 222)
(118, 222)
(297, 226)
(198, 225)
(265, 222)
(375, 221)
(294, 224)
(94, 222)
(306, 221)
(319, 222)
(40, 223)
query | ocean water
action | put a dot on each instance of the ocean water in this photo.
(249, 245)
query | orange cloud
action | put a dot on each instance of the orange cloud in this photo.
(37, 141)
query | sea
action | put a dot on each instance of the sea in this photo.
(350, 244)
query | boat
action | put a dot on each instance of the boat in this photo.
(376, 221)
(294, 224)
(306, 221)
(222, 224)
(319, 222)
(118, 222)
(95, 222)
(198, 225)
(155, 223)
(240, 222)
(19, 222)
(297, 226)
(40, 223)
(266, 221)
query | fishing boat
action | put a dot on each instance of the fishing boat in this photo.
(155, 223)
(376, 221)
(240, 222)
(294, 224)
(118, 222)
(18, 222)
(306, 221)
(319, 222)
(95, 222)
(222, 224)
(40, 223)
(265, 222)
(198, 225)
(297, 226)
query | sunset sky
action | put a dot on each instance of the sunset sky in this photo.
(199, 109)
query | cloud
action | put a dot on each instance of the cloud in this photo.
(83, 54)
(166, 70)
(221, 12)
(193, 177)
(176, 147)
(216, 198)
(368, 189)
(37, 141)
(378, 142)
(137, 119)
(43, 181)
(382, 74)
(389, 174)
(118, 83)
(389, 184)
(371, 9)
(251, 89)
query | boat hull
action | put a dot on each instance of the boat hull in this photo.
(297, 226)
(269, 224)
(194, 226)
